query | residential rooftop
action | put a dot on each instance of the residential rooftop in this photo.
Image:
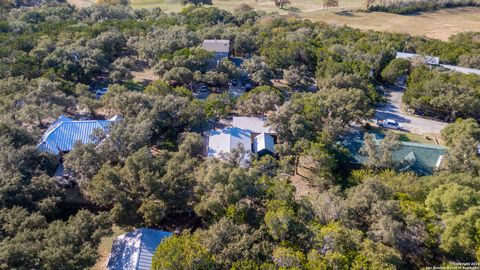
(252, 124)
(223, 141)
(62, 134)
(134, 250)
(216, 45)
(422, 159)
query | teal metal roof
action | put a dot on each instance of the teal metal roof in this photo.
(420, 158)
(62, 135)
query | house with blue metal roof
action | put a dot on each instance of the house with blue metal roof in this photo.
(62, 135)
(134, 250)
(422, 159)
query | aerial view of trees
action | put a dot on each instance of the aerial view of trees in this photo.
(313, 83)
(444, 95)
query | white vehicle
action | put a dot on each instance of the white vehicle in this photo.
(389, 123)
(100, 92)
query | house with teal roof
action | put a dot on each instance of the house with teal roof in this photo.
(62, 135)
(422, 159)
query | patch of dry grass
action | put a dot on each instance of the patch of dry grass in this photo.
(105, 247)
(440, 24)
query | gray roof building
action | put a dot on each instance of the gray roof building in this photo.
(134, 250)
(426, 59)
(252, 124)
(217, 46)
(462, 69)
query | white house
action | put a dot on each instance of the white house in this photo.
(250, 133)
(255, 125)
(134, 250)
(223, 141)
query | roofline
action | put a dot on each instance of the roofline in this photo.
(422, 145)
(139, 248)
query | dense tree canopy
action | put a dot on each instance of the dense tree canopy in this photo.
(306, 207)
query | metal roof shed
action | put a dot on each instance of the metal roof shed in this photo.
(134, 250)
(263, 144)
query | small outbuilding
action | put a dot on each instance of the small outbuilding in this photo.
(264, 144)
(134, 250)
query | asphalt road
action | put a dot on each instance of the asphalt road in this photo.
(414, 124)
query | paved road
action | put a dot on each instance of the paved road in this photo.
(414, 124)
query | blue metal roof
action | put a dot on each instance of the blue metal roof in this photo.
(62, 135)
(135, 250)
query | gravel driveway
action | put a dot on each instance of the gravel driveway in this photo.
(414, 124)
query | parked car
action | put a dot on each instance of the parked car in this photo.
(202, 88)
(100, 92)
(389, 123)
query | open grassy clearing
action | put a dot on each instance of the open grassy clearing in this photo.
(439, 24)
(265, 5)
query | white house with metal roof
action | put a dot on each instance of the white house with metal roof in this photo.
(221, 142)
(134, 250)
(250, 133)
(62, 135)
(252, 124)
